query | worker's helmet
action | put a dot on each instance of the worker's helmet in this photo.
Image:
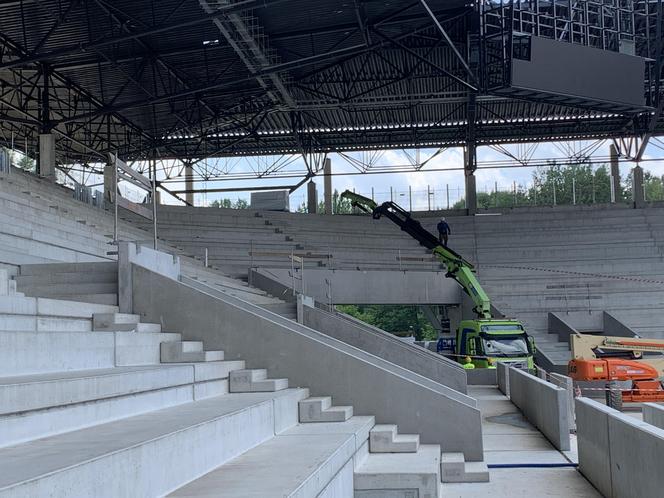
(490, 361)
(467, 359)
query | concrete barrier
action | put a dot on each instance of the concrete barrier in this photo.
(653, 414)
(620, 455)
(482, 377)
(543, 404)
(503, 378)
(370, 286)
(566, 383)
(309, 358)
(384, 345)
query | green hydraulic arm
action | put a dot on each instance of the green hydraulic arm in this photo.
(457, 267)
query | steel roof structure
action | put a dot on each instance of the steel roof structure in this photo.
(191, 79)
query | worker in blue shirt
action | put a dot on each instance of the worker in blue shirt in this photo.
(443, 231)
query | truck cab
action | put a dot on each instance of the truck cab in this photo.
(498, 340)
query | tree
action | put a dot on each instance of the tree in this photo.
(561, 185)
(26, 163)
(223, 203)
(339, 205)
(398, 320)
(565, 184)
(228, 204)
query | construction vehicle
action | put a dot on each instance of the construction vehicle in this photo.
(484, 339)
(634, 361)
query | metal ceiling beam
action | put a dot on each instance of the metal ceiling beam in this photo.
(137, 35)
(449, 41)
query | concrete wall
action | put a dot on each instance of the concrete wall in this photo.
(620, 455)
(558, 326)
(130, 254)
(384, 345)
(543, 404)
(653, 414)
(309, 358)
(503, 378)
(482, 377)
(372, 286)
(614, 327)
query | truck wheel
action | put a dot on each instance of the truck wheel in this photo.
(614, 397)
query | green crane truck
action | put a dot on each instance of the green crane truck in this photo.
(485, 339)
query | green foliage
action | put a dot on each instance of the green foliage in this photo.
(398, 320)
(339, 205)
(228, 204)
(26, 163)
(577, 181)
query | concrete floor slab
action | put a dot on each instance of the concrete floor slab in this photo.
(516, 442)
(523, 456)
(49, 455)
(509, 439)
(357, 426)
(287, 465)
(512, 483)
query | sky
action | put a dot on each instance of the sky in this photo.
(441, 177)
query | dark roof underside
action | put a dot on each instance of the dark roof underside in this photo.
(197, 78)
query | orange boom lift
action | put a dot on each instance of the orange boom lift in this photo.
(633, 360)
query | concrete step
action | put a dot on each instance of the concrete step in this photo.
(122, 322)
(54, 268)
(400, 474)
(43, 323)
(255, 380)
(320, 409)
(42, 405)
(155, 453)
(454, 468)
(384, 438)
(103, 299)
(304, 461)
(187, 351)
(21, 305)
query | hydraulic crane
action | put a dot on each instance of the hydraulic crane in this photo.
(486, 339)
(620, 359)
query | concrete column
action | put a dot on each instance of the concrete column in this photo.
(109, 182)
(158, 197)
(189, 183)
(469, 172)
(327, 171)
(312, 198)
(47, 155)
(615, 173)
(637, 187)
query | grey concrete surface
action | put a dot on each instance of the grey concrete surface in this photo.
(155, 452)
(386, 439)
(482, 377)
(592, 424)
(372, 286)
(503, 378)
(653, 414)
(510, 439)
(307, 357)
(383, 344)
(636, 450)
(543, 404)
(418, 473)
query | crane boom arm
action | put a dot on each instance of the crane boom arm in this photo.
(457, 267)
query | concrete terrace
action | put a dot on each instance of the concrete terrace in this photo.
(214, 379)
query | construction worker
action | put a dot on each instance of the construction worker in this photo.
(444, 231)
(468, 363)
(491, 363)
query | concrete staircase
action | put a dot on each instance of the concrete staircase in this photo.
(100, 412)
